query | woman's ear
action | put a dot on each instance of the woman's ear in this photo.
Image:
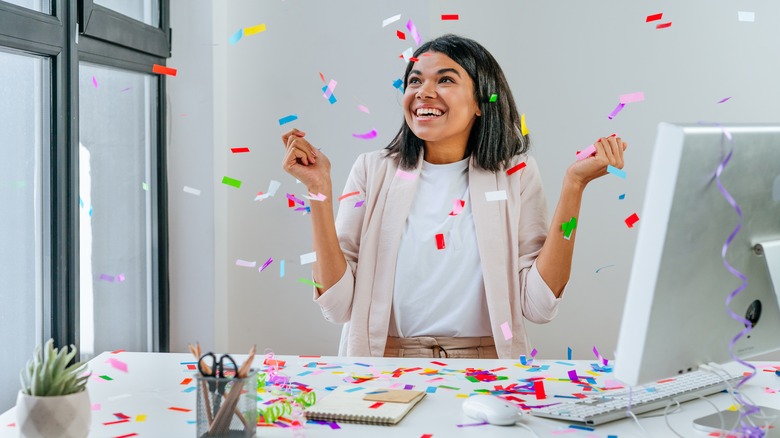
(478, 113)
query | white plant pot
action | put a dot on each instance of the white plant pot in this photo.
(62, 416)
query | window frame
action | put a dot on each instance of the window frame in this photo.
(57, 36)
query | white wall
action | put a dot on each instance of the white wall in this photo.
(567, 62)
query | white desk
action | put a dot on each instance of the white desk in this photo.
(153, 384)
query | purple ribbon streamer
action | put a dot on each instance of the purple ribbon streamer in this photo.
(749, 430)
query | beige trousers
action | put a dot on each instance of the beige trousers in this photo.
(454, 348)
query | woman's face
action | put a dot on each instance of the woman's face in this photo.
(439, 103)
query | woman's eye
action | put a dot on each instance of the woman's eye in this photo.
(446, 79)
(414, 81)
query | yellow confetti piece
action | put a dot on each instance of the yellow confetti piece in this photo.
(338, 372)
(254, 29)
(523, 127)
(593, 373)
(461, 396)
(733, 408)
(140, 418)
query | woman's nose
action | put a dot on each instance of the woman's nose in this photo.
(426, 91)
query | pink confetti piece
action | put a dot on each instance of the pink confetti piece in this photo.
(317, 197)
(632, 97)
(507, 331)
(245, 263)
(106, 277)
(120, 278)
(405, 175)
(413, 31)
(723, 100)
(457, 206)
(367, 135)
(329, 90)
(118, 364)
(94, 81)
(95, 406)
(587, 152)
(359, 204)
(364, 109)
(615, 111)
(265, 265)
(598, 356)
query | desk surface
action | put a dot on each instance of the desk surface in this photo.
(156, 382)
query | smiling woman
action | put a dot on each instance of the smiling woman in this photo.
(407, 276)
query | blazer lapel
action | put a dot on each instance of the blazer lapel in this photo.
(491, 228)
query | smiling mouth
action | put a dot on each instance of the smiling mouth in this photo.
(428, 113)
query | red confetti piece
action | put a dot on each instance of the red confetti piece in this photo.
(439, 363)
(440, 241)
(191, 366)
(631, 220)
(426, 435)
(239, 150)
(117, 351)
(413, 59)
(376, 405)
(174, 408)
(400, 35)
(126, 436)
(121, 416)
(109, 423)
(515, 168)
(663, 25)
(290, 203)
(163, 70)
(347, 195)
(654, 17)
(539, 390)
(449, 16)
(186, 381)
(322, 76)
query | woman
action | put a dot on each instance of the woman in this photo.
(417, 273)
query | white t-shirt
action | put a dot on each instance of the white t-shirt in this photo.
(439, 292)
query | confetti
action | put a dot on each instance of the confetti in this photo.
(106, 277)
(631, 220)
(293, 200)
(622, 196)
(615, 171)
(603, 267)
(723, 100)
(632, 97)
(405, 175)
(376, 405)
(746, 16)
(329, 89)
(161, 69)
(390, 20)
(309, 282)
(140, 418)
(399, 84)
(568, 227)
(288, 119)
(440, 241)
(598, 356)
(539, 390)
(94, 81)
(231, 182)
(615, 111)
(654, 17)
(308, 258)
(174, 408)
(400, 35)
(498, 195)
(317, 197)
(364, 109)
(568, 353)
(265, 265)
(245, 264)
(191, 191)
(413, 31)
(236, 37)
(281, 269)
(587, 152)
(347, 195)
(446, 17)
(407, 54)
(663, 25)
(367, 136)
(523, 126)
(239, 150)
(457, 206)
(248, 31)
(145, 186)
(507, 331)
(516, 168)
(118, 364)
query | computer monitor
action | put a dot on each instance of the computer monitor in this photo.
(675, 316)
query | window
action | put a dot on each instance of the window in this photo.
(82, 178)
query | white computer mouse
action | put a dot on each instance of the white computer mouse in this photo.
(492, 409)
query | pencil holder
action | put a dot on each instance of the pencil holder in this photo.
(227, 407)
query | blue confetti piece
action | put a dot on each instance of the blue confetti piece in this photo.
(522, 359)
(362, 364)
(281, 269)
(377, 392)
(305, 373)
(357, 388)
(236, 37)
(574, 426)
(190, 389)
(622, 196)
(431, 389)
(568, 354)
(332, 98)
(288, 119)
(615, 171)
(81, 202)
(568, 364)
(399, 84)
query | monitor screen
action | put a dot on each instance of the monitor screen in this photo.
(675, 316)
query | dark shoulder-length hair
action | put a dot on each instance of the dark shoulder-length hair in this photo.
(495, 136)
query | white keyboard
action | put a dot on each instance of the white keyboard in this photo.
(611, 405)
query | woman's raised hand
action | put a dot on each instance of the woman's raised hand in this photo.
(609, 151)
(305, 162)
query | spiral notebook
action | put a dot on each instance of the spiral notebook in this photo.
(364, 405)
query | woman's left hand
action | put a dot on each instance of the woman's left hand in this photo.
(609, 151)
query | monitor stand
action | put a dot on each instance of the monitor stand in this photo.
(770, 250)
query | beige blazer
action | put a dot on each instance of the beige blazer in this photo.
(510, 235)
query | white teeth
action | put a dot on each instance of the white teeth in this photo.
(428, 112)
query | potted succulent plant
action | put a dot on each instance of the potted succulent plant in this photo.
(53, 401)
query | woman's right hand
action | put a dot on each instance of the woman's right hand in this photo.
(305, 162)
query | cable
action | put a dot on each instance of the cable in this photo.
(529, 429)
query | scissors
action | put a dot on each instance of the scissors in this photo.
(216, 369)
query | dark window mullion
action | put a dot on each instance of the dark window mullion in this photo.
(105, 24)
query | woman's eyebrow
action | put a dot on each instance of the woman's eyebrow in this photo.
(440, 72)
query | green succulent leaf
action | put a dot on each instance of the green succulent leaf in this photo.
(48, 372)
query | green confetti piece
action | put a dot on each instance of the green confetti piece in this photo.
(493, 97)
(472, 379)
(568, 227)
(145, 186)
(307, 281)
(106, 378)
(231, 182)
(449, 387)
